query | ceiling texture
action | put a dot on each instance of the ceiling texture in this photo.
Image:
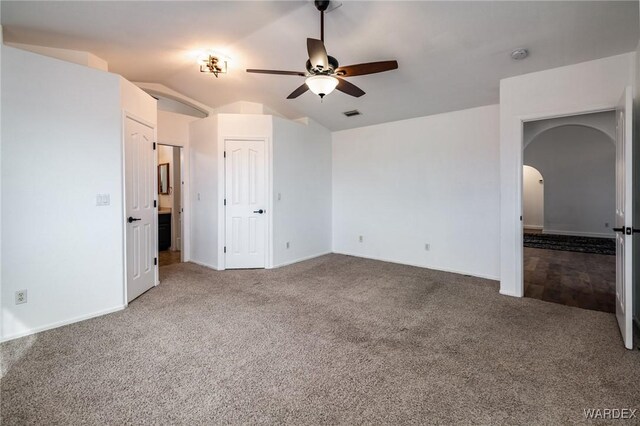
(451, 55)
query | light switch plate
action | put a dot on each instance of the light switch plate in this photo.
(103, 200)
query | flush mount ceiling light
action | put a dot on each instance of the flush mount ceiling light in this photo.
(213, 64)
(519, 54)
(321, 85)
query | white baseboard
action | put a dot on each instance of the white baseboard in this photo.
(435, 268)
(579, 234)
(302, 259)
(206, 265)
(508, 293)
(61, 323)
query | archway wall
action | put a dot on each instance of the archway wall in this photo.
(532, 198)
(603, 121)
(578, 165)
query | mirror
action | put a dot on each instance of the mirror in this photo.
(163, 178)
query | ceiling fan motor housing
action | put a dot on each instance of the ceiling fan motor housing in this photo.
(322, 5)
(333, 66)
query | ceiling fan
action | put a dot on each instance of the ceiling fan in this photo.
(323, 71)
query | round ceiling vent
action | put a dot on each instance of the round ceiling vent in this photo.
(519, 54)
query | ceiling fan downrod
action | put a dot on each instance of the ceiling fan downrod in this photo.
(322, 5)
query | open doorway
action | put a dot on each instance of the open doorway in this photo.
(569, 207)
(532, 200)
(170, 204)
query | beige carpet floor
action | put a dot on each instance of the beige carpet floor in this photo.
(334, 340)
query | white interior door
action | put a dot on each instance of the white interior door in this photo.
(245, 199)
(141, 232)
(624, 191)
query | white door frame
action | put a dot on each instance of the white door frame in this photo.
(519, 267)
(183, 178)
(125, 115)
(268, 194)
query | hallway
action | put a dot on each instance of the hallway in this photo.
(584, 280)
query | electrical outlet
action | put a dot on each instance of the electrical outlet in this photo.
(287, 244)
(361, 238)
(427, 246)
(21, 297)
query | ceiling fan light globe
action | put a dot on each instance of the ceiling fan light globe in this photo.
(321, 85)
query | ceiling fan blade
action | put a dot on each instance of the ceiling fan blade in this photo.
(317, 53)
(368, 68)
(299, 91)
(349, 89)
(300, 73)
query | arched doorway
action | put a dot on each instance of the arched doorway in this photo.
(532, 199)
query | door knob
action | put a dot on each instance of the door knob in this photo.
(621, 229)
(260, 211)
(133, 219)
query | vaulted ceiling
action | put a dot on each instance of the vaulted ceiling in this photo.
(451, 55)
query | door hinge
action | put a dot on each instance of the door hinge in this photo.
(225, 249)
(154, 146)
(155, 260)
(155, 203)
(224, 154)
(225, 202)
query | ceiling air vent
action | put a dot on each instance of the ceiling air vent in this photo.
(351, 113)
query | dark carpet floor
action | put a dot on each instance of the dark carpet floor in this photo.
(334, 340)
(570, 243)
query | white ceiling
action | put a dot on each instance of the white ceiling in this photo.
(451, 55)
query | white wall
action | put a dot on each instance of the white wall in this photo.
(244, 107)
(79, 57)
(61, 146)
(533, 198)
(430, 180)
(301, 191)
(138, 104)
(173, 129)
(300, 159)
(578, 165)
(206, 139)
(203, 172)
(580, 88)
(603, 121)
